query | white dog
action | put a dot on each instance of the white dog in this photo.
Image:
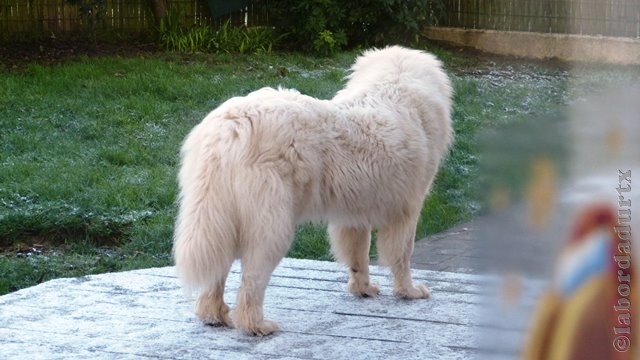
(261, 164)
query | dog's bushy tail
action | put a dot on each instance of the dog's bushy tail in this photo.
(204, 237)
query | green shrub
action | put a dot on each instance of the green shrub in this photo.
(381, 22)
(327, 26)
(310, 25)
(327, 43)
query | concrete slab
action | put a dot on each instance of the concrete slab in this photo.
(144, 314)
(568, 47)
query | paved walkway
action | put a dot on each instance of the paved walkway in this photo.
(143, 314)
(451, 250)
(493, 243)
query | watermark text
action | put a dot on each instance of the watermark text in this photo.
(622, 330)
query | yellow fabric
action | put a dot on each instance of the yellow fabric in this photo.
(569, 319)
(543, 322)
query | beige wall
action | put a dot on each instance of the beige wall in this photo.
(543, 46)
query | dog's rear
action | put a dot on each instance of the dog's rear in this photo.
(204, 243)
(233, 204)
(205, 232)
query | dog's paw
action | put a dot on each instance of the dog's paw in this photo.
(214, 314)
(222, 321)
(363, 290)
(266, 327)
(418, 292)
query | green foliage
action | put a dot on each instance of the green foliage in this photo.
(310, 25)
(327, 26)
(381, 22)
(226, 39)
(328, 43)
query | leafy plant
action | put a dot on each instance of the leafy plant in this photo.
(328, 43)
(310, 25)
(326, 26)
(226, 39)
(192, 40)
(380, 22)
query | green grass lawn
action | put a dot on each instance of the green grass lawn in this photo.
(89, 149)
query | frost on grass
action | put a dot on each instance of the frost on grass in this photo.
(26, 218)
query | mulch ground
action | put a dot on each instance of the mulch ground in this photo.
(54, 51)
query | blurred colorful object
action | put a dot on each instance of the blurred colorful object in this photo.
(541, 191)
(587, 313)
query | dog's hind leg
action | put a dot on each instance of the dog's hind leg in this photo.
(267, 235)
(204, 251)
(351, 246)
(258, 262)
(395, 246)
(211, 308)
(204, 243)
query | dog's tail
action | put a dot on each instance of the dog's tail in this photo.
(204, 246)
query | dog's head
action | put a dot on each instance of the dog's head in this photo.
(396, 67)
(410, 81)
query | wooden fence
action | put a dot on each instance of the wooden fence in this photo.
(43, 17)
(592, 17)
(587, 17)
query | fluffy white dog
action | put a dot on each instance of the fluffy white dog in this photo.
(261, 164)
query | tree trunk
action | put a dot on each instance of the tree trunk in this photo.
(159, 9)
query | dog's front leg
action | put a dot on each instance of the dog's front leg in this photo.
(395, 245)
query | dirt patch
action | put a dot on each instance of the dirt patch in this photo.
(54, 51)
(39, 242)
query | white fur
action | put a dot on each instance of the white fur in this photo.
(261, 164)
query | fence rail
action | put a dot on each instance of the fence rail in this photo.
(586, 17)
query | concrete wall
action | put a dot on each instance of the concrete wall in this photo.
(542, 46)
